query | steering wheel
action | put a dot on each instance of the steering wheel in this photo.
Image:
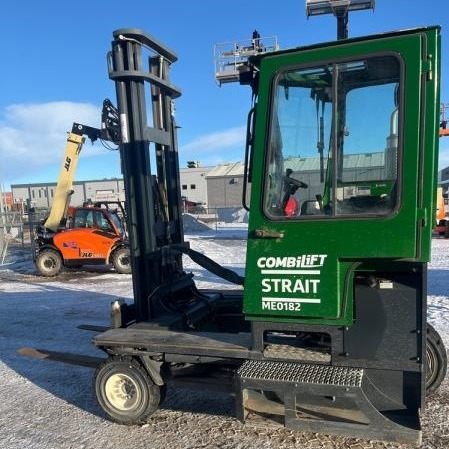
(296, 183)
(291, 185)
(290, 204)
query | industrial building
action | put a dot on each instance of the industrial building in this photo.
(210, 187)
(40, 195)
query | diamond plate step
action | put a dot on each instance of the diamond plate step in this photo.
(301, 373)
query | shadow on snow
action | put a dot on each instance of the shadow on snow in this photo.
(47, 319)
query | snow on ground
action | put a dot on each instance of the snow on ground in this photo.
(46, 404)
(438, 288)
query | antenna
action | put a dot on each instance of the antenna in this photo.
(340, 9)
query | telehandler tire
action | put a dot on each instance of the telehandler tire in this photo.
(436, 360)
(125, 391)
(121, 260)
(48, 262)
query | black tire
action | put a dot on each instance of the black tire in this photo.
(125, 391)
(121, 260)
(49, 262)
(436, 360)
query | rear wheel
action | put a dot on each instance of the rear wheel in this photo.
(48, 262)
(436, 360)
(125, 391)
(121, 260)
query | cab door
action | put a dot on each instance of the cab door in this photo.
(338, 171)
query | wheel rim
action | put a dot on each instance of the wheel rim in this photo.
(124, 260)
(122, 392)
(49, 263)
(432, 363)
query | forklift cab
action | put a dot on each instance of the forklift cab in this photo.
(344, 137)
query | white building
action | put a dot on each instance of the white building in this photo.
(193, 184)
(40, 195)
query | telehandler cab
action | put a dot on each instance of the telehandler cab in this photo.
(327, 332)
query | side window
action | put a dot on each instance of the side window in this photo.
(84, 219)
(368, 169)
(102, 222)
(333, 146)
(80, 219)
(89, 219)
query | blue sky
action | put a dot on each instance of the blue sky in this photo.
(54, 71)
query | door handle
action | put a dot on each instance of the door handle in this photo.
(263, 234)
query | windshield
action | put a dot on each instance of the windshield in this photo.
(117, 223)
(333, 147)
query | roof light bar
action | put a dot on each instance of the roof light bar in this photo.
(340, 9)
(316, 7)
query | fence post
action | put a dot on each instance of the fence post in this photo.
(3, 247)
(30, 225)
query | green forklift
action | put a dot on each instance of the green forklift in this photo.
(327, 330)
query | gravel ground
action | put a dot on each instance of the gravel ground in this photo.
(46, 404)
(55, 408)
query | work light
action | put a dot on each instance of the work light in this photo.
(316, 7)
(340, 9)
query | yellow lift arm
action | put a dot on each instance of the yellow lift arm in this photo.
(109, 131)
(64, 187)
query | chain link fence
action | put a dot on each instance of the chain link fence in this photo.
(18, 228)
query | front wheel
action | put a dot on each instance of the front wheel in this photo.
(436, 360)
(48, 262)
(125, 391)
(121, 260)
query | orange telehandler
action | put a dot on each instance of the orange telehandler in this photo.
(89, 235)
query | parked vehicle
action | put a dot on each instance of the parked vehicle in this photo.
(90, 234)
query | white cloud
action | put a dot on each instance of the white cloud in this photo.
(33, 136)
(215, 148)
(208, 144)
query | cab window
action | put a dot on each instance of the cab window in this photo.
(88, 218)
(333, 142)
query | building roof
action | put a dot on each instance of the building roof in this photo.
(365, 160)
(227, 170)
(51, 184)
(195, 169)
(302, 164)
